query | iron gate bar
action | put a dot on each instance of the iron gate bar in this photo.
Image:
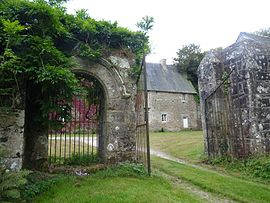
(142, 127)
(76, 135)
(146, 118)
(224, 118)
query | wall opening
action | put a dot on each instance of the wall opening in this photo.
(80, 139)
(185, 122)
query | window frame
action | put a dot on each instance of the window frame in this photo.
(164, 117)
(184, 97)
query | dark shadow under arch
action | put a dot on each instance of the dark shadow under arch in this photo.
(101, 128)
(38, 137)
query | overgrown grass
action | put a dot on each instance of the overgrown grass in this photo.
(71, 153)
(125, 183)
(187, 145)
(82, 159)
(37, 183)
(209, 180)
(256, 167)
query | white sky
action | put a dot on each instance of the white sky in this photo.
(208, 23)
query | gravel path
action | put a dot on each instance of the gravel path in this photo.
(207, 196)
(81, 139)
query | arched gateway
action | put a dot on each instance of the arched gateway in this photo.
(108, 122)
(103, 124)
(81, 138)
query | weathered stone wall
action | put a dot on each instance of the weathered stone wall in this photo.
(175, 108)
(233, 86)
(11, 138)
(29, 139)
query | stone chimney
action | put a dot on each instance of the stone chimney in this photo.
(163, 62)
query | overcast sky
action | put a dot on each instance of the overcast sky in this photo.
(208, 23)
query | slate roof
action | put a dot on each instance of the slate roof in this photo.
(167, 79)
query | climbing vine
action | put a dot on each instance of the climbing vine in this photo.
(226, 82)
(38, 41)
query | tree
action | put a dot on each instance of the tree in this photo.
(188, 59)
(146, 24)
(263, 32)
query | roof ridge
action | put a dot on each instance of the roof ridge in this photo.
(168, 79)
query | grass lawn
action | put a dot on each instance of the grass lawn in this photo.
(212, 181)
(187, 145)
(128, 183)
(116, 187)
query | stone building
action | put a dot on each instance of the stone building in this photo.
(234, 87)
(28, 144)
(171, 102)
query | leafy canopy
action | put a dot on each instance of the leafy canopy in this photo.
(146, 24)
(188, 59)
(263, 32)
(38, 40)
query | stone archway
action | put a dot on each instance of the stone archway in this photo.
(118, 124)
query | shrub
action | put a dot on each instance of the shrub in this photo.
(123, 170)
(257, 166)
(37, 183)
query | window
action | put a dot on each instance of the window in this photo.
(163, 117)
(184, 98)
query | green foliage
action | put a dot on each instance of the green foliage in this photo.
(263, 32)
(56, 3)
(12, 28)
(38, 39)
(37, 183)
(77, 159)
(10, 64)
(188, 59)
(10, 181)
(123, 170)
(257, 166)
(226, 82)
(146, 24)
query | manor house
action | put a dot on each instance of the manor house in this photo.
(171, 102)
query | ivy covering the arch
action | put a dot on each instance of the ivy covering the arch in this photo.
(38, 41)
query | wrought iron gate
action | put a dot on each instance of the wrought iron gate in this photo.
(223, 112)
(78, 140)
(142, 126)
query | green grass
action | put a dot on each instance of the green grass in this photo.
(187, 145)
(212, 181)
(73, 152)
(116, 185)
(129, 183)
(256, 167)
